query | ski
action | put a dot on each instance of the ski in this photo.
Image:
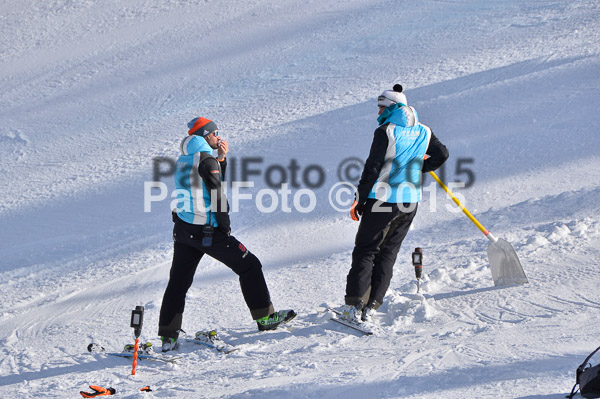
(355, 327)
(211, 340)
(219, 348)
(208, 339)
(351, 325)
(164, 358)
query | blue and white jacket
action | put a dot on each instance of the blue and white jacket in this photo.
(393, 170)
(198, 178)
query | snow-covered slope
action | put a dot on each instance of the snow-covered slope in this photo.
(93, 91)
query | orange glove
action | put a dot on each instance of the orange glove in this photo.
(98, 391)
(356, 211)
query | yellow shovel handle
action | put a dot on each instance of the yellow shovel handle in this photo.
(461, 206)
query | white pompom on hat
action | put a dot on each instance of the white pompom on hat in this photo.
(389, 97)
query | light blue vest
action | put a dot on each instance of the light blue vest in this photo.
(193, 198)
(399, 180)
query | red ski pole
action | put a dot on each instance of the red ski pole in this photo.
(135, 356)
(137, 319)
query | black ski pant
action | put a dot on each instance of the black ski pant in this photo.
(188, 250)
(382, 229)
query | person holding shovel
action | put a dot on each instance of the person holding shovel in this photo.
(388, 193)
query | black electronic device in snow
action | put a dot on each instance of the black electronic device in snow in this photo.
(137, 320)
(417, 261)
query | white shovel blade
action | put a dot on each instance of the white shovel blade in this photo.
(505, 264)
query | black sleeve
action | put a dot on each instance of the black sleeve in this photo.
(438, 153)
(373, 164)
(223, 164)
(209, 171)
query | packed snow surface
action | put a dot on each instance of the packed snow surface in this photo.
(93, 93)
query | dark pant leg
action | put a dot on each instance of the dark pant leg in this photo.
(383, 264)
(245, 264)
(185, 262)
(371, 232)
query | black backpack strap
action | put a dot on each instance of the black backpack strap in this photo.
(573, 392)
(204, 156)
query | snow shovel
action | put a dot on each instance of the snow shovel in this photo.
(504, 262)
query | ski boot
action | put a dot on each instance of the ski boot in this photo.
(352, 313)
(369, 311)
(274, 320)
(169, 344)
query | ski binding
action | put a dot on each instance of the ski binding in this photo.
(211, 340)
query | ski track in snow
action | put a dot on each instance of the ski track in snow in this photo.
(92, 91)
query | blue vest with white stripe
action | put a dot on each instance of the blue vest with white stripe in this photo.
(193, 198)
(399, 180)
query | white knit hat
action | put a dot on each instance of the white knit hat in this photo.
(389, 97)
